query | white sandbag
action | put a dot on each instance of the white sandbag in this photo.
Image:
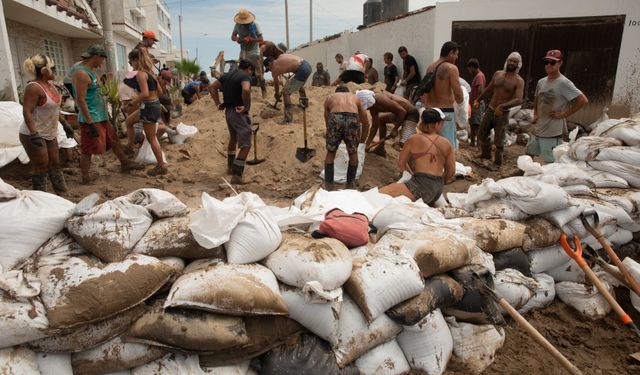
(587, 148)
(482, 259)
(544, 293)
(74, 293)
(560, 152)
(10, 120)
(626, 130)
(241, 368)
(578, 190)
(234, 289)
(146, 156)
(563, 174)
(182, 133)
(461, 111)
(301, 259)
(603, 208)
(114, 355)
(630, 172)
(534, 197)
(623, 201)
(498, 209)
(382, 280)
(604, 179)
(427, 345)
(55, 364)
(385, 359)
(494, 235)
(356, 337)
(568, 271)
(159, 202)
(63, 141)
(320, 318)
(547, 258)
(516, 288)
(57, 250)
(584, 298)
(620, 237)
(18, 361)
(170, 364)
(634, 269)
(403, 215)
(111, 229)
(623, 154)
(29, 218)
(255, 237)
(475, 346)
(341, 163)
(561, 217)
(21, 320)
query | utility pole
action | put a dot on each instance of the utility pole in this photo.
(180, 27)
(310, 21)
(107, 34)
(286, 20)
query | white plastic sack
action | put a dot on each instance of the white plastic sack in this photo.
(483, 259)
(461, 111)
(18, 361)
(21, 320)
(385, 359)
(498, 209)
(315, 203)
(516, 288)
(404, 215)
(626, 130)
(544, 294)
(634, 269)
(568, 271)
(182, 133)
(10, 120)
(341, 162)
(55, 364)
(145, 154)
(475, 345)
(587, 148)
(630, 172)
(547, 258)
(606, 180)
(29, 219)
(159, 202)
(241, 368)
(427, 345)
(534, 197)
(628, 155)
(63, 141)
(586, 299)
(256, 236)
(320, 318)
(170, 364)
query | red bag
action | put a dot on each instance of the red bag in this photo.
(350, 229)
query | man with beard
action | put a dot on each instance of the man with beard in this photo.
(508, 89)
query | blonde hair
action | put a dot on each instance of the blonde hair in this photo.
(140, 54)
(34, 65)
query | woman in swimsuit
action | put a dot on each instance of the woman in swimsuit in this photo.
(433, 158)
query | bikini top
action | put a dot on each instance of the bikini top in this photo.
(416, 156)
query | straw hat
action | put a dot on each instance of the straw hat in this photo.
(244, 17)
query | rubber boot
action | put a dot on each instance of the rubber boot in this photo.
(39, 182)
(328, 177)
(288, 114)
(237, 170)
(351, 176)
(231, 157)
(57, 180)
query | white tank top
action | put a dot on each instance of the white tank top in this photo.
(45, 116)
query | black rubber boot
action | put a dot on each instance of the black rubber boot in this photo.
(231, 157)
(351, 176)
(39, 182)
(328, 176)
(57, 180)
(288, 114)
(237, 170)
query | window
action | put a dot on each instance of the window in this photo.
(54, 50)
(121, 57)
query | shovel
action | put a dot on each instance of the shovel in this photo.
(254, 128)
(531, 330)
(304, 153)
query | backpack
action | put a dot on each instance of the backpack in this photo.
(428, 81)
(350, 229)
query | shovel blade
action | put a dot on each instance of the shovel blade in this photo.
(304, 154)
(255, 161)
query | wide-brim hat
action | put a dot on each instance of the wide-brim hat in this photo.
(244, 17)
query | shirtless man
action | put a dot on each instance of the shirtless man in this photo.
(347, 120)
(402, 113)
(508, 89)
(280, 63)
(446, 89)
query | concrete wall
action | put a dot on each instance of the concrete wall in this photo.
(415, 32)
(627, 83)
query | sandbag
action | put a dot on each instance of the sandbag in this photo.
(547, 258)
(265, 333)
(171, 364)
(634, 270)
(18, 360)
(587, 148)
(146, 156)
(439, 291)
(21, 320)
(604, 179)
(514, 287)
(182, 133)
(533, 197)
(74, 293)
(356, 337)
(54, 364)
(341, 163)
(11, 118)
(234, 289)
(585, 298)
(381, 280)
(515, 259)
(384, 359)
(90, 335)
(475, 306)
(111, 229)
(427, 345)
(539, 233)
(114, 355)
(320, 318)
(190, 330)
(159, 202)
(544, 294)
(494, 235)
(498, 209)
(628, 155)
(629, 172)
(29, 218)
(475, 346)
(626, 130)
(301, 259)
(241, 368)
(256, 236)
(172, 237)
(483, 260)
(307, 355)
(568, 271)
(400, 215)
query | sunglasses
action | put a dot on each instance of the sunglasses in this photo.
(550, 62)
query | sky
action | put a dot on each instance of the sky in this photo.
(207, 24)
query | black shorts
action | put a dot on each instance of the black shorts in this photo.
(239, 125)
(150, 111)
(352, 76)
(425, 186)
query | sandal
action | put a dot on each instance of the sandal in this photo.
(158, 171)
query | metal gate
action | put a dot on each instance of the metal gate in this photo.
(590, 46)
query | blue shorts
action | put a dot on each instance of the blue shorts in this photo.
(298, 80)
(449, 129)
(543, 147)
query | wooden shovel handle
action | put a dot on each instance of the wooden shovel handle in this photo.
(631, 282)
(626, 319)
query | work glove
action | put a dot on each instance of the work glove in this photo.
(93, 130)
(36, 140)
(247, 39)
(68, 130)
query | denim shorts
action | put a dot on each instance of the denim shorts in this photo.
(298, 80)
(150, 111)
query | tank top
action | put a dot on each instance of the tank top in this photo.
(45, 115)
(95, 100)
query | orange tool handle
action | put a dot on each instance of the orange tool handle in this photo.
(574, 254)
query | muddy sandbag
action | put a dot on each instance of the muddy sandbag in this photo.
(494, 235)
(114, 355)
(568, 271)
(159, 202)
(21, 320)
(18, 360)
(475, 306)
(191, 330)
(475, 346)
(381, 280)
(514, 287)
(171, 364)
(306, 355)
(585, 298)
(545, 259)
(265, 333)
(90, 335)
(241, 368)
(384, 359)
(233, 289)
(83, 290)
(626, 130)
(442, 251)
(515, 259)
(301, 259)
(172, 237)
(427, 345)
(54, 364)
(483, 260)
(539, 233)
(439, 291)
(320, 318)
(111, 229)
(544, 294)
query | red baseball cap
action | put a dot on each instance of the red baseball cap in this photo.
(554, 54)
(149, 34)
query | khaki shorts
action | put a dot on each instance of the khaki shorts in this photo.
(256, 60)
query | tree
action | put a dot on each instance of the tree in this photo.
(188, 67)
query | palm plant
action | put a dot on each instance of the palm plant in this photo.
(109, 91)
(188, 67)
